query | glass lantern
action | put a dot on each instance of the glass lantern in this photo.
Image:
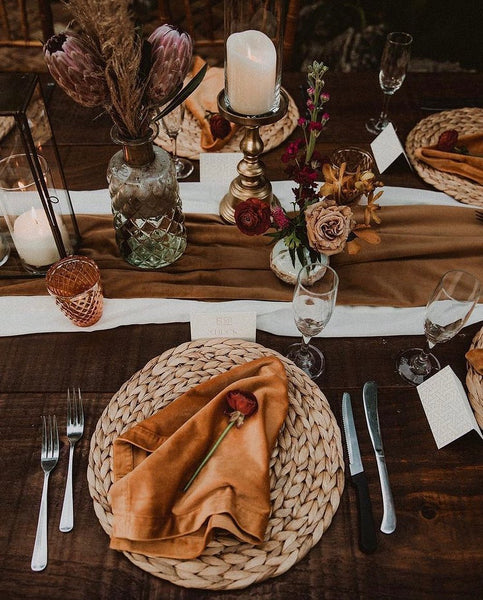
(253, 55)
(38, 222)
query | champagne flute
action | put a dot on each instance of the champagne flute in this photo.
(313, 303)
(392, 72)
(172, 123)
(447, 310)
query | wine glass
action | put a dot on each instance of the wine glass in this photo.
(313, 302)
(447, 310)
(392, 72)
(172, 123)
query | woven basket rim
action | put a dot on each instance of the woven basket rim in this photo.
(474, 382)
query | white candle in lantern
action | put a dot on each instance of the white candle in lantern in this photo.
(251, 63)
(34, 239)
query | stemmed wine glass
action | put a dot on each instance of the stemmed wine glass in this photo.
(392, 72)
(313, 303)
(172, 123)
(447, 310)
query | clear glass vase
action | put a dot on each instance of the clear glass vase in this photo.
(283, 267)
(145, 202)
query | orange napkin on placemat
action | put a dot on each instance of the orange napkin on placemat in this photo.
(465, 165)
(475, 358)
(154, 460)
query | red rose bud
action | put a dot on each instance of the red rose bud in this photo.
(253, 216)
(447, 140)
(243, 404)
(219, 127)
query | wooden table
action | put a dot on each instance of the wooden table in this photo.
(436, 550)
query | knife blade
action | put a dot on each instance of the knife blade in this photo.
(388, 523)
(367, 529)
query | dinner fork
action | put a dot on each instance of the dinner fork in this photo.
(49, 456)
(75, 429)
(479, 215)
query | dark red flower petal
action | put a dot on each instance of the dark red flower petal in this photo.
(243, 402)
(447, 140)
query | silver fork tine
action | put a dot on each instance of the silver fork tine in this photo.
(75, 429)
(49, 456)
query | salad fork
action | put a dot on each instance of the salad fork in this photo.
(75, 429)
(49, 456)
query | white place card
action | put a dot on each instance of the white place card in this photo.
(446, 406)
(386, 148)
(240, 325)
(219, 167)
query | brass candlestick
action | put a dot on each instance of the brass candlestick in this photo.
(251, 181)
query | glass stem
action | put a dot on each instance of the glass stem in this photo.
(304, 346)
(175, 147)
(421, 363)
(385, 108)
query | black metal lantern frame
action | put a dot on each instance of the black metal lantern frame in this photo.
(22, 97)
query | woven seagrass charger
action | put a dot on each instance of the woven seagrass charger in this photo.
(466, 121)
(474, 382)
(188, 143)
(306, 466)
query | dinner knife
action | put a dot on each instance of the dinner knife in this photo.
(367, 529)
(388, 524)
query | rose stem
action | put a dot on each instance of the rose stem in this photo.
(209, 455)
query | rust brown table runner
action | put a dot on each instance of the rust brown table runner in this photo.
(419, 243)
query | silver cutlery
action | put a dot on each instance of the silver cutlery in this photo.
(367, 530)
(75, 429)
(49, 456)
(479, 215)
(388, 524)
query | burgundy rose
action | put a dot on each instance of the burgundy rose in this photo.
(242, 402)
(243, 405)
(447, 140)
(219, 126)
(252, 216)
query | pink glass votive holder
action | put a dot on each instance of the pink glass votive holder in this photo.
(75, 284)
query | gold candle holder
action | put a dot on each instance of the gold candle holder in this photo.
(251, 181)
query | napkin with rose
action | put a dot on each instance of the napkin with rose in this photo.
(322, 220)
(459, 155)
(199, 464)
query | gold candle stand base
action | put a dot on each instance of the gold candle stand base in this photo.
(251, 181)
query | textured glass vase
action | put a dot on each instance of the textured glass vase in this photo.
(145, 202)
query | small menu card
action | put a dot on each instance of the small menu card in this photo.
(386, 148)
(446, 406)
(240, 325)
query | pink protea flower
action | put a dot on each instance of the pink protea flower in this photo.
(171, 58)
(76, 69)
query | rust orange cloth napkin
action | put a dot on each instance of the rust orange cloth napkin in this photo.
(154, 460)
(475, 358)
(465, 165)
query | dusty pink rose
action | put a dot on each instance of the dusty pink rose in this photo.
(328, 227)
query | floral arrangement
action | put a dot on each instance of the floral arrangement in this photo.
(240, 406)
(322, 221)
(105, 62)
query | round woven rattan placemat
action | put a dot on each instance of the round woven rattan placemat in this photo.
(466, 121)
(306, 467)
(188, 143)
(474, 382)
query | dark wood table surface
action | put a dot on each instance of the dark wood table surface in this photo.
(437, 548)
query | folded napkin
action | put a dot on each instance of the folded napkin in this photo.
(475, 358)
(203, 101)
(154, 460)
(465, 165)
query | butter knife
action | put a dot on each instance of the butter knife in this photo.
(388, 524)
(367, 529)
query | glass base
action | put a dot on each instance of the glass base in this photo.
(410, 372)
(184, 167)
(375, 126)
(311, 362)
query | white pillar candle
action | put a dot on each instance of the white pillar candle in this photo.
(34, 239)
(251, 64)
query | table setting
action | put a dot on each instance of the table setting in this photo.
(203, 364)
